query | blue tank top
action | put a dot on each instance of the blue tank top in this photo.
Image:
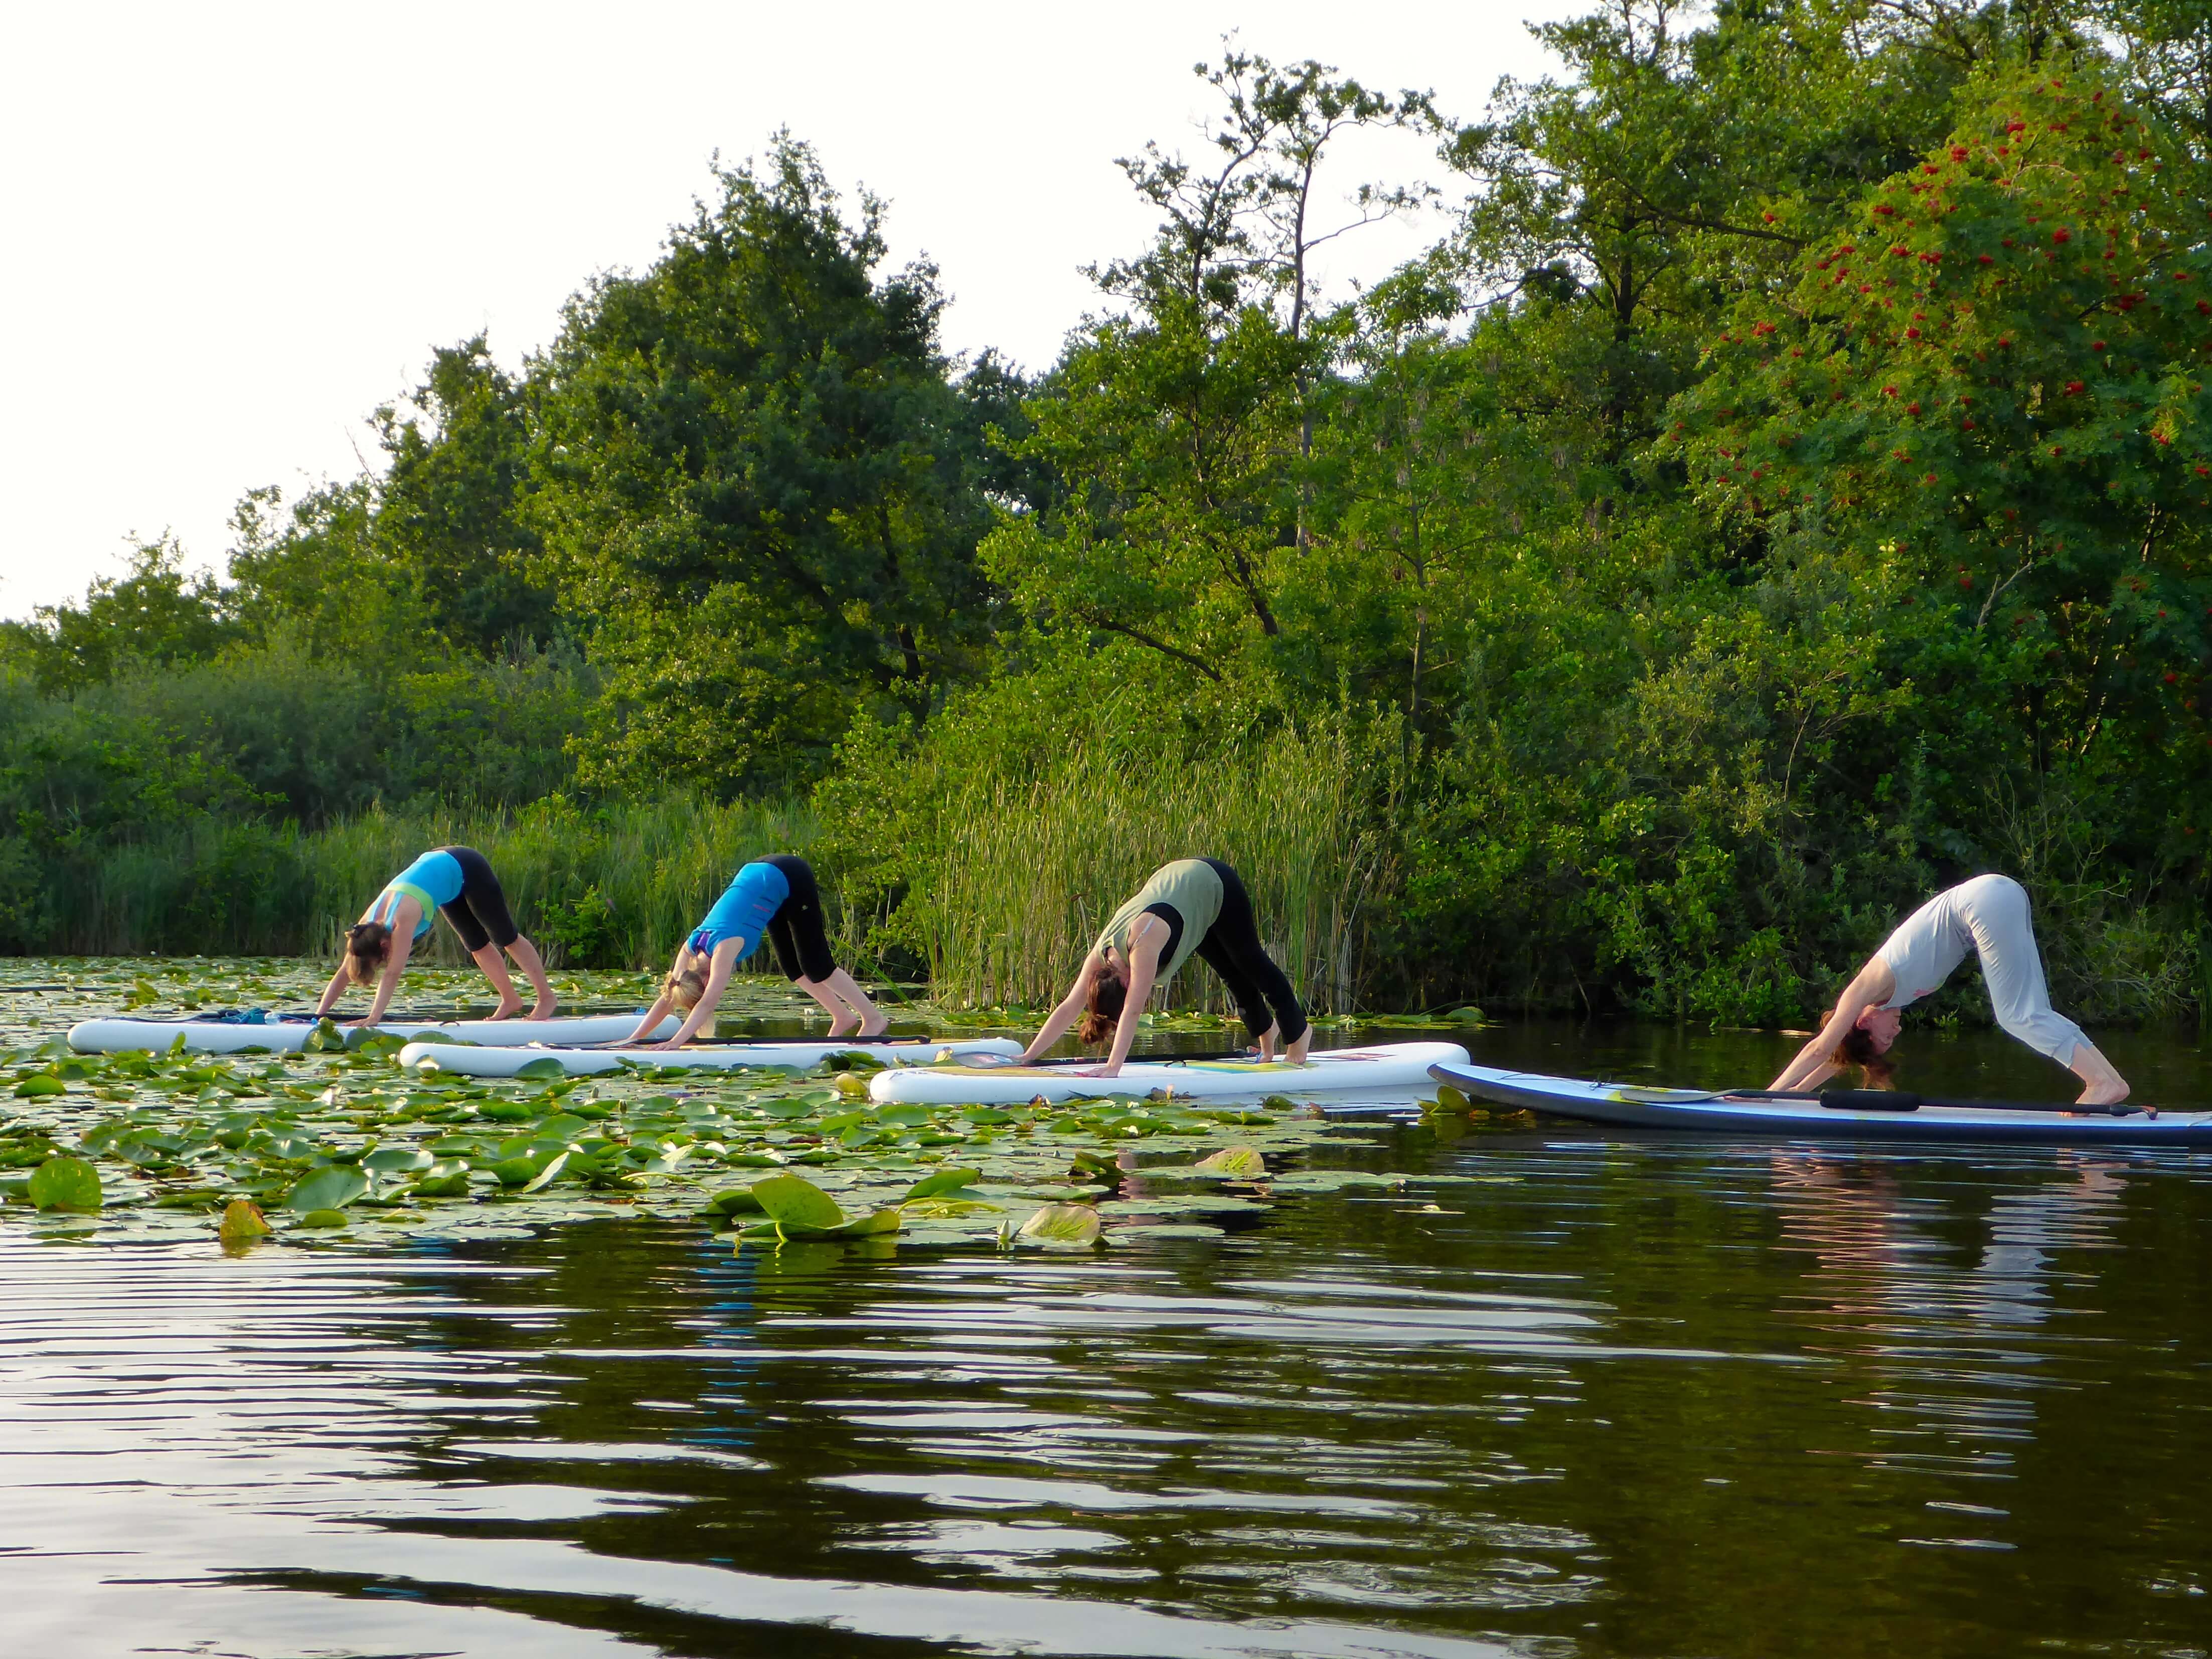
(744, 910)
(432, 881)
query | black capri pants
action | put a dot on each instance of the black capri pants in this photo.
(479, 915)
(1231, 948)
(802, 943)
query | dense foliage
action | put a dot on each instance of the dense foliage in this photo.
(1780, 490)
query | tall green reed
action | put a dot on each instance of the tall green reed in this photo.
(1029, 871)
(616, 884)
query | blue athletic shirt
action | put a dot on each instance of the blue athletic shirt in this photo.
(744, 910)
(433, 880)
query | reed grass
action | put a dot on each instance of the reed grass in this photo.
(1028, 871)
(614, 885)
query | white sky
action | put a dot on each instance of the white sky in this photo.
(231, 230)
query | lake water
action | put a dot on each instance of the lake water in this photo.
(1617, 1395)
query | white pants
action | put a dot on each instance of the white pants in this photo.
(1988, 915)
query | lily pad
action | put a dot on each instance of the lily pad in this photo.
(323, 1219)
(393, 1160)
(40, 1083)
(242, 1222)
(795, 1202)
(331, 1188)
(64, 1183)
(1238, 1163)
(545, 1065)
(945, 1181)
(551, 1168)
(448, 1178)
(1063, 1226)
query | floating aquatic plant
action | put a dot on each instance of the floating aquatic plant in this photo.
(338, 1143)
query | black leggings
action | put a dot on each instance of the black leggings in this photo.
(1231, 948)
(479, 913)
(802, 945)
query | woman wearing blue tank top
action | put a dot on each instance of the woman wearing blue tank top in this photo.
(457, 884)
(773, 898)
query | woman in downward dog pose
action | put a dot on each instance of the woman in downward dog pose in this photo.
(1192, 907)
(774, 897)
(457, 884)
(1989, 916)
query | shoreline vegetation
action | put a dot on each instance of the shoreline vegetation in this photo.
(1781, 488)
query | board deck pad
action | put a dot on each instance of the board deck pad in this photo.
(1637, 1106)
(792, 1055)
(1400, 1069)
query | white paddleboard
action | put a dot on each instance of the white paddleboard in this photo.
(286, 1037)
(1401, 1067)
(796, 1056)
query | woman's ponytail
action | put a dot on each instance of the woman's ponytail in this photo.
(685, 987)
(1109, 994)
(368, 944)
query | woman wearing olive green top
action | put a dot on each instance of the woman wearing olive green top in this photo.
(1193, 907)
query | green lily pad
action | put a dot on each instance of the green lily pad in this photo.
(785, 1106)
(551, 1168)
(64, 1183)
(331, 1188)
(1333, 1180)
(944, 1180)
(445, 1179)
(391, 1160)
(40, 1083)
(795, 1202)
(1063, 1226)
(1238, 1163)
(323, 1219)
(242, 1221)
(544, 1066)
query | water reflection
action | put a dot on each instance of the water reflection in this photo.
(1612, 1396)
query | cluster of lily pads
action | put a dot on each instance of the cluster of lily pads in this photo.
(339, 1141)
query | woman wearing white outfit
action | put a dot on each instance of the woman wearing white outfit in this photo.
(1987, 915)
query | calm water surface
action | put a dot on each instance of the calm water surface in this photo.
(1638, 1396)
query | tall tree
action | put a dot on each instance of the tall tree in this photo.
(757, 484)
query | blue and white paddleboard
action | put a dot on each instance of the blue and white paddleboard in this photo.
(1630, 1105)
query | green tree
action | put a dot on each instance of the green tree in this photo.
(756, 480)
(447, 511)
(159, 614)
(1994, 376)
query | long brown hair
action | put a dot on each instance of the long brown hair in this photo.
(1103, 1003)
(1876, 1070)
(368, 944)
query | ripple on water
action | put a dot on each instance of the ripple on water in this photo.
(1659, 1398)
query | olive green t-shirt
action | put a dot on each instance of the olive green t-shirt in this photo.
(1194, 887)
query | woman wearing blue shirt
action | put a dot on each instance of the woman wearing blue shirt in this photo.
(774, 897)
(457, 884)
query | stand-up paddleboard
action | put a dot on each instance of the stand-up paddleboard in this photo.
(1851, 1117)
(794, 1056)
(287, 1033)
(1401, 1067)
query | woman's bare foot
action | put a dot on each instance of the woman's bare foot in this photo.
(2106, 1087)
